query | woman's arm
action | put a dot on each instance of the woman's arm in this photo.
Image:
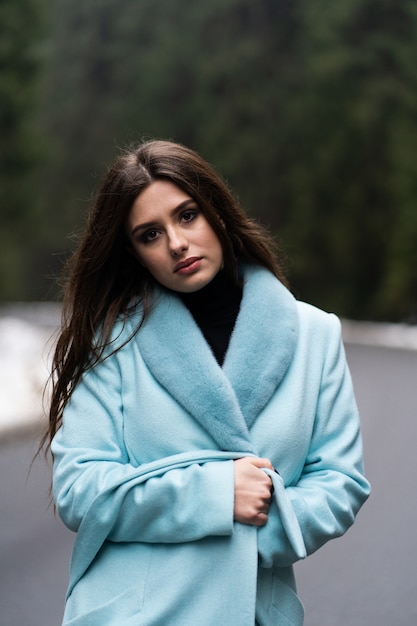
(92, 474)
(332, 486)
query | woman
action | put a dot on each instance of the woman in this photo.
(204, 430)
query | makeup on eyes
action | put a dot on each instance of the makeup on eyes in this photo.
(153, 227)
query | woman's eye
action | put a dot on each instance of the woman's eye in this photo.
(188, 216)
(149, 236)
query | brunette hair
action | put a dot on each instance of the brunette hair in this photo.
(103, 278)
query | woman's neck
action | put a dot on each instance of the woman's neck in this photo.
(215, 308)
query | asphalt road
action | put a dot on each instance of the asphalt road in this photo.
(366, 578)
(35, 547)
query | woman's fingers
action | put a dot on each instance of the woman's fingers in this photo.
(252, 491)
(259, 462)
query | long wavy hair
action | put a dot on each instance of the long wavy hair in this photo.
(102, 278)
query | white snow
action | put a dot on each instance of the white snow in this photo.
(25, 351)
(401, 336)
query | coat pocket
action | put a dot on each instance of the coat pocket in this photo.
(286, 602)
(111, 592)
(277, 600)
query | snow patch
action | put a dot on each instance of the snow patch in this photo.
(25, 351)
(402, 336)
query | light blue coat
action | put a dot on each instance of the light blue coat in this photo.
(143, 467)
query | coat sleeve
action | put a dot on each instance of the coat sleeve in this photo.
(332, 486)
(92, 473)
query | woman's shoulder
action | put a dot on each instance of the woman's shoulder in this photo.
(315, 320)
(124, 328)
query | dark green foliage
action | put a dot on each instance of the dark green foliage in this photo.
(353, 166)
(20, 30)
(309, 109)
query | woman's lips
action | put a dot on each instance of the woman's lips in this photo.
(189, 266)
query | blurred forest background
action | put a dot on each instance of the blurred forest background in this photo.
(307, 108)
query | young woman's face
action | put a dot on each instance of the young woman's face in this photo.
(171, 237)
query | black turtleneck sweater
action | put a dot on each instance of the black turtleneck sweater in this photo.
(215, 308)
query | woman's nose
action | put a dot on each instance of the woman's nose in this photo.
(177, 242)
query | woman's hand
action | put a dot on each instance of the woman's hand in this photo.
(253, 490)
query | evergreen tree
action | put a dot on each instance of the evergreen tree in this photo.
(351, 174)
(21, 26)
(308, 109)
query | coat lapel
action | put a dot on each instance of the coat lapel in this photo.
(263, 341)
(225, 401)
(177, 354)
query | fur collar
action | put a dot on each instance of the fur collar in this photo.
(224, 400)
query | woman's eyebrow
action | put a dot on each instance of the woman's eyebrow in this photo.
(182, 205)
(142, 226)
(175, 210)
